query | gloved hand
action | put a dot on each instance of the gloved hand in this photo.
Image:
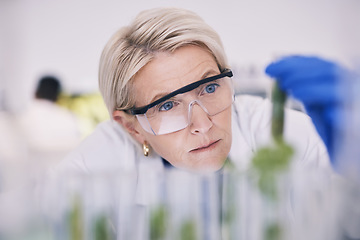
(316, 83)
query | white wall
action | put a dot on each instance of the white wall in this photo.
(66, 37)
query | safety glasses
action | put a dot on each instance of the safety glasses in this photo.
(172, 112)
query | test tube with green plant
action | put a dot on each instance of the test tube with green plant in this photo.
(102, 229)
(188, 230)
(158, 219)
(76, 222)
(230, 201)
(271, 161)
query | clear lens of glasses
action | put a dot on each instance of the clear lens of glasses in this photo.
(173, 114)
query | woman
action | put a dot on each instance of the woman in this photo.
(167, 84)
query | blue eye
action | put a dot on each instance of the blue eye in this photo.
(166, 106)
(211, 88)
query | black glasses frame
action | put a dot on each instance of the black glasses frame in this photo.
(187, 88)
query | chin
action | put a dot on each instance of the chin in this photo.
(208, 167)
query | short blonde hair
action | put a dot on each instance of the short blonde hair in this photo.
(133, 46)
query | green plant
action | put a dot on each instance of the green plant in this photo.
(158, 218)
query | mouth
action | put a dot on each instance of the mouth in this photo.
(206, 147)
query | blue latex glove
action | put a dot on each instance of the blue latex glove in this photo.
(316, 83)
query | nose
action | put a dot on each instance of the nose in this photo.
(199, 120)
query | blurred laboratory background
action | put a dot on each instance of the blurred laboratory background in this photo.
(64, 39)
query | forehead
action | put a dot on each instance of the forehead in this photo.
(170, 71)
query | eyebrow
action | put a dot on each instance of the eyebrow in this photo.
(186, 88)
(162, 94)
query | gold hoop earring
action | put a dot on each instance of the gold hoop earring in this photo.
(146, 149)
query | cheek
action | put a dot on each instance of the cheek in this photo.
(169, 146)
(222, 122)
(223, 125)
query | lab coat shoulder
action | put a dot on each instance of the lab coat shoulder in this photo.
(252, 123)
(108, 148)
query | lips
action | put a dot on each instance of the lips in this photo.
(205, 146)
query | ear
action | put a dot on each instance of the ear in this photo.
(130, 124)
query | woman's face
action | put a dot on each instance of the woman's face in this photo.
(205, 143)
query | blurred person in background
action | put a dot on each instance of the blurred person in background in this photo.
(31, 142)
(50, 131)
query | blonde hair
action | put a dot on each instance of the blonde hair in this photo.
(133, 46)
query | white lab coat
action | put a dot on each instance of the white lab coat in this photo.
(109, 149)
